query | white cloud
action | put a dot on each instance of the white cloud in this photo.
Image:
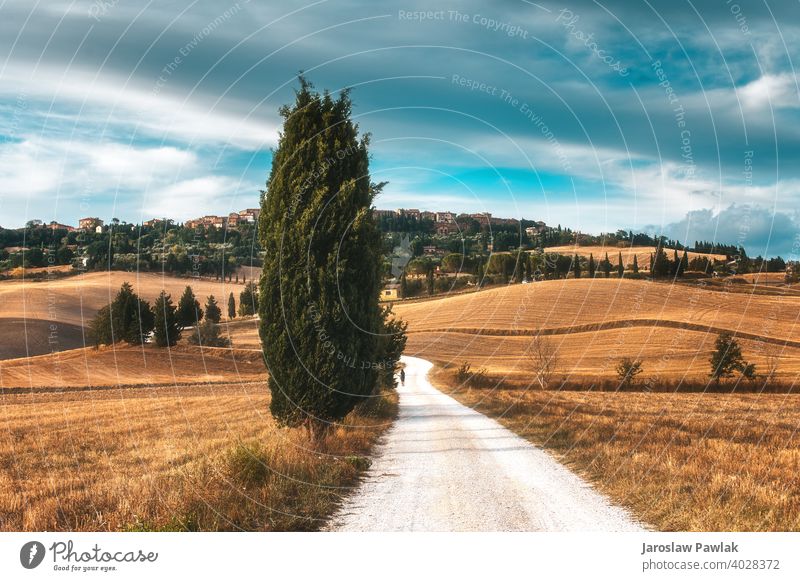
(779, 91)
(115, 104)
(35, 167)
(193, 197)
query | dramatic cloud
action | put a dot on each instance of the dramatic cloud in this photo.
(758, 229)
(597, 115)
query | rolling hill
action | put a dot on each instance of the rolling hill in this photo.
(596, 322)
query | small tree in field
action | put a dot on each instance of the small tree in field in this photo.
(727, 359)
(208, 335)
(592, 267)
(231, 307)
(544, 357)
(576, 266)
(635, 265)
(167, 332)
(189, 312)
(620, 266)
(627, 370)
(213, 312)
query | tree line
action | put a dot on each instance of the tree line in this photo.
(165, 247)
(129, 318)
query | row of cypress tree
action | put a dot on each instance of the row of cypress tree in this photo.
(131, 319)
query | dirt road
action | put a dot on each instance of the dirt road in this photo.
(446, 467)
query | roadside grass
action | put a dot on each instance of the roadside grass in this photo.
(204, 458)
(679, 461)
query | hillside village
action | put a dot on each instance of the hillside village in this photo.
(426, 252)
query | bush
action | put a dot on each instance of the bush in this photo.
(470, 378)
(627, 370)
(207, 334)
(248, 464)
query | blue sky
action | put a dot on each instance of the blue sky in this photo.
(678, 117)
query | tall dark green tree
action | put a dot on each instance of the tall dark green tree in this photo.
(430, 277)
(189, 312)
(213, 312)
(166, 331)
(661, 264)
(248, 300)
(231, 307)
(684, 264)
(620, 265)
(592, 267)
(635, 266)
(576, 266)
(605, 266)
(321, 324)
(127, 318)
(675, 264)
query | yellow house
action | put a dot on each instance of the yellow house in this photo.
(391, 292)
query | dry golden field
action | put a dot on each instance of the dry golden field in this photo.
(172, 458)
(124, 365)
(76, 299)
(596, 322)
(680, 461)
(142, 438)
(642, 253)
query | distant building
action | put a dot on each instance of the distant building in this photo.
(391, 292)
(56, 226)
(484, 219)
(446, 228)
(446, 217)
(155, 222)
(378, 214)
(411, 213)
(250, 215)
(89, 223)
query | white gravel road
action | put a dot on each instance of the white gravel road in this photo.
(446, 467)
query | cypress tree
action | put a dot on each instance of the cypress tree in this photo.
(213, 312)
(248, 300)
(576, 266)
(166, 331)
(189, 312)
(620, 265)
(661, 264)
(592, 267)
(231, 307)
(684, 265)
(635, 265)
(321, 322)
(606, 265)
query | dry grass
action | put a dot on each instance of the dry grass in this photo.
(190, 458)
(697, 462)
(125, 365)
(642, 254)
